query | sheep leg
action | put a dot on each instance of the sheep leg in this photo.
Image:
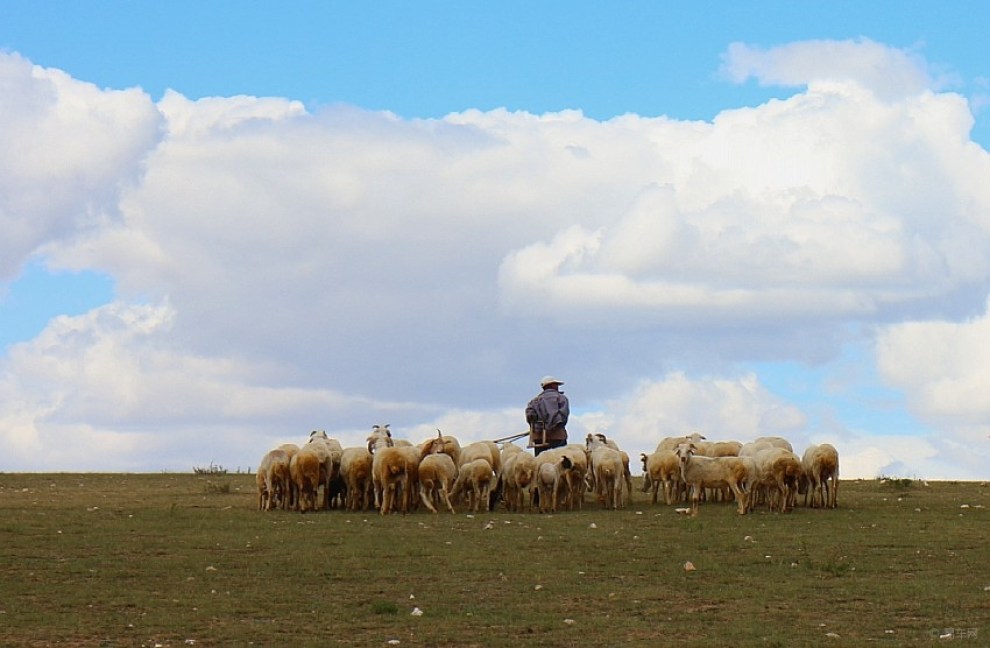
(445, 495)
(424, 488)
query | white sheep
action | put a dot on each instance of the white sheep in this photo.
(777, 442)
(437, 474)
(414, 454)
(608, 468)
(329, 453)
(264, 493)
(662, 469)
(388, 468)
(277, 478)
(291, 497)
(575, 475)
(779, 473)
(699, 473)
(721, 449)
(355, 471)
(475, 479)
(549, 482)
(518, 473)
(671, 443)
(305, 470)
(821, 475)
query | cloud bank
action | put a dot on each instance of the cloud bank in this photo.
(280, 269)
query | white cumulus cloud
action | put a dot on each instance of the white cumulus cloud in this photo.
(280, 269)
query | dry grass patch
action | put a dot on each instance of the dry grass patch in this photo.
(173, 560)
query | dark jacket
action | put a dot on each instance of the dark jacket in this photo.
(552, 409)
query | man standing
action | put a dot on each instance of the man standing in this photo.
(547, 416)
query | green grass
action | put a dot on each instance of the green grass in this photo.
(174, 560)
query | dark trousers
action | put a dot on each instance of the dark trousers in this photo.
(551, 443)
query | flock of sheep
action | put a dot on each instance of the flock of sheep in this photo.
(392, 475)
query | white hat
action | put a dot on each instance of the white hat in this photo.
(550, 380)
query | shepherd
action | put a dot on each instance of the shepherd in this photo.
(547, 416)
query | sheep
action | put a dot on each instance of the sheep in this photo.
(599, 438)
(277, 478)
(547, 481)
(821, 475)
(701, 472)
(451, 447)
(476, 479)
(607, 466)
(777, 442)
(561, 490)
(355, 470)
(290, 500)
(487, 450)
(437, 474)
(518, 473)
(721, 449)
(754, 448)
(329, 452)
(388, 468)
(305, 470)
(413, 454)
(575, 477)
(334, 485)
(661, 469)
(490, 452)
(608, 470)
(395, 469)
(264, 494)
(779, 473)
(671, 443)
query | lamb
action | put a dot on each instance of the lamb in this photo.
(437, 474)
(355, 470)
(702, 472)
(821, 475)
(476, 478)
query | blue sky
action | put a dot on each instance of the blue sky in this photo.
(763, 321)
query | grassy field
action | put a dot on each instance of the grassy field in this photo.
(186, 560)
